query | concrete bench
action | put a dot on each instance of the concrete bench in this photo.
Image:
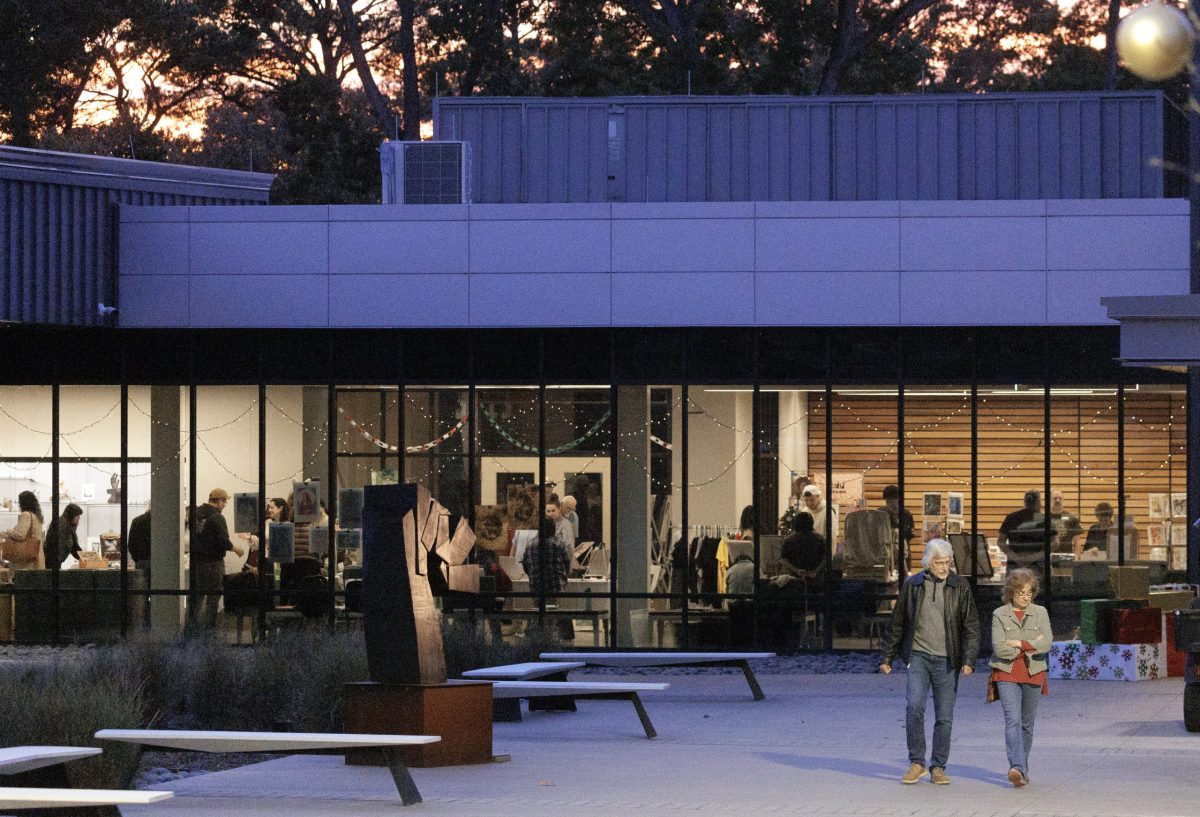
(509, 709)
(20, 760)
(290, 742)
(741, 660)
(20, 799)
(581, 690)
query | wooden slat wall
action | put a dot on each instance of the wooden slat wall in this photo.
(938, 451)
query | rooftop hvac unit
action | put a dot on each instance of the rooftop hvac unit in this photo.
(424, 172)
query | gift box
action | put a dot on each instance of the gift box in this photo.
(1176, 658)
(1106, 662)
(1141, 626)
(1171, 599)
(1095, 618)
(1129, 582)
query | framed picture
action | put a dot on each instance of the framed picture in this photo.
(282, 542)
(954, 505)
(1179, 506)
(933, 504)
(954, 526)
(1156, 535)
(1178, 534)
(491, 528)
(306, 501)
(931, 529)
(349, 540)
(245, 513)
(318, 540)
(385, 476)
(1158, 506)
(521, 509)
(350, 507)
(1178, 558)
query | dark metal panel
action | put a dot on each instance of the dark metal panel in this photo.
(844, 157)
(542, 159)
(720, 160)
(677, 160)
(947, 147)
(1110, 149)
(1089, 149)
(757, 162)
(1050, 133)
(699, 153)
(1029, 150)
(888, 143)
(776, 153)
(635, 153)
(927, 166)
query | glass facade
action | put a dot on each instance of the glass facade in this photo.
(721, 487)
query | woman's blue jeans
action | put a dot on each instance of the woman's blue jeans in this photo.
(1020, 702)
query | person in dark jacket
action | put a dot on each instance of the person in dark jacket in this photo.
(62, 537)
(206, 560)
(139, 542)
(935, 629)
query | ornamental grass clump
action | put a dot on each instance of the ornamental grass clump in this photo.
(467, 647)
(63, 702)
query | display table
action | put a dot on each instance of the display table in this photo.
(1077, 661)
(90, 604)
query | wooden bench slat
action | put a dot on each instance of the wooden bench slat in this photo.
(18, 759)
(26, 798)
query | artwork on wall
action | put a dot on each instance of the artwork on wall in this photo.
(933, 504)
(282, 542)
(521, 510)
(506, 478)
(385, 476)
(1157, 535)
(245, 513)
(1179, 505)
(931, 529)
(588, 489)
(306, 501)
(1159, 509)
(954, 526)
(318, 539)
(954, 505)
(491, 528)
(1179, 534)
(349, 509)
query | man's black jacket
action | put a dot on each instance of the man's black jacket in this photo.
(962, 620)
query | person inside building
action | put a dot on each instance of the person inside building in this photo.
(564, 531)
(902, 519)
(1064, 523)
(1022, 532)
(547, 565)
(746, 523)
(816, 506)
(567, 509)
(62, 537)
(22, 545)
(209, 544)
(802, 555)
(1096, 544)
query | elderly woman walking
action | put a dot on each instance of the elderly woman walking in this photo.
(1021, 638)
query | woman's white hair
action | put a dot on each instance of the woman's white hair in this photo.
(936, 547)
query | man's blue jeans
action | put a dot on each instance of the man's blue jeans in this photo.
(927, 672)
(1020, 702)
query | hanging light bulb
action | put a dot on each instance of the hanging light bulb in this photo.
(1155, 41)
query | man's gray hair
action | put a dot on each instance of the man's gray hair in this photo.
(934, 548)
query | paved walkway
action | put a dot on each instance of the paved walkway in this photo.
(818, 745)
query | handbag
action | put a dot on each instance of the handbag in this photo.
(23, 551)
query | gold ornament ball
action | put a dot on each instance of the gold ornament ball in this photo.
(1155, 41)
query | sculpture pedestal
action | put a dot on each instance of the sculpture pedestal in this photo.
(460, 713)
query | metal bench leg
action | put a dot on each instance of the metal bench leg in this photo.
(404, 782)
(751, 680)
(643, 716)
(506, 710)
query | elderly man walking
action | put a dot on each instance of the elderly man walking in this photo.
(935, 629)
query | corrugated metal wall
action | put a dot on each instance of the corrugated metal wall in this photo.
(58, 225)
(996, 146)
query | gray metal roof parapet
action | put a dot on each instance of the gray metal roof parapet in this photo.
(31, 164)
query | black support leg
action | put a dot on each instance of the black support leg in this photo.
(404, 782)
(751, 680)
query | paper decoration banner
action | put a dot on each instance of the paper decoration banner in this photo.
(349, 540)
(306, 501)
(282, 542)
(245, 513)
(318, 540)
(349, 509)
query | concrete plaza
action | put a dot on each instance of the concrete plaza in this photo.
(818, 744)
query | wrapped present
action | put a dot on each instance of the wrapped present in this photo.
(1140, 626)
(1095, 618)
(1171, 599)
(1129, 582)
(1176, 658)
(1106, 662)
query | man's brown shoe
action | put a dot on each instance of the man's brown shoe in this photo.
(939, 776)
(1016, 777)
(915, 772)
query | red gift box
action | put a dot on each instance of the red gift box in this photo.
(1142, 626)
(1176, 659)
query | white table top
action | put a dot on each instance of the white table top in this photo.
(517, 672)
(22, 798)
(522, 689)
(17, 759)
(652, 659)
(206, 741)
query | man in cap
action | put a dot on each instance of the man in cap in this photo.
(209, 542)
(818, 509)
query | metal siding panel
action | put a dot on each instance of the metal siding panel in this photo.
(820, 153)
(77, 276)
(965, 133)
(1153, 146)
(512, 163)
(635, 153)
(677, 141)
(720, 153)
(947, 143)
(845, 147)
(597, 184)
(799, 149)
(1110, 148)
(1007, 151)
(1132, 159)
(537, 149)
(758, 175)
(6, 276)
(1029, 149)
(864, 140)
(739, 153)
(656, 154)
(699, 153)
(60, 293)
(986, 154)
(1089, 149)
(41, 243)
(926, 147)
(887, 144)
(583, 138)
(907, 145)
